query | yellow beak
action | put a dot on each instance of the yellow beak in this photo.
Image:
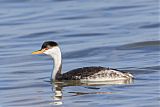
(38, 52)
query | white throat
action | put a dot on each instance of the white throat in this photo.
(55, 53)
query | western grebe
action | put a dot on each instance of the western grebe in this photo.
(85, 74)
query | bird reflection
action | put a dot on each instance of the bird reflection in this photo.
(58, 85)
(57, 89)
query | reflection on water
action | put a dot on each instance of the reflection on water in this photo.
(57, 88)
(127, 81)
(58, 93)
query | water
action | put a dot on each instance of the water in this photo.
(119, 34)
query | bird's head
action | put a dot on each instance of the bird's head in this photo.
(48, 48)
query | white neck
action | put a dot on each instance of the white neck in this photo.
(55, 53)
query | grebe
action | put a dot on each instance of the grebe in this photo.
(85, 74)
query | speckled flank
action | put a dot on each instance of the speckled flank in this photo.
(107, 75)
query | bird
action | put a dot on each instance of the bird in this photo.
(83, 74)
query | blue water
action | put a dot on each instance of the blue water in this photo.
(121, 34)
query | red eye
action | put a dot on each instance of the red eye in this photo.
(46, 48)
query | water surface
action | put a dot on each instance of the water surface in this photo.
(119, 34)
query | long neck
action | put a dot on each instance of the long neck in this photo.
(57, 63)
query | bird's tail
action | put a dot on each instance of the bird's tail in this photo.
(129, 75)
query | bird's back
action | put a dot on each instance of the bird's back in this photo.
(95, 74)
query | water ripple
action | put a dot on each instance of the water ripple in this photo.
(117, 34)
(142, 44)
